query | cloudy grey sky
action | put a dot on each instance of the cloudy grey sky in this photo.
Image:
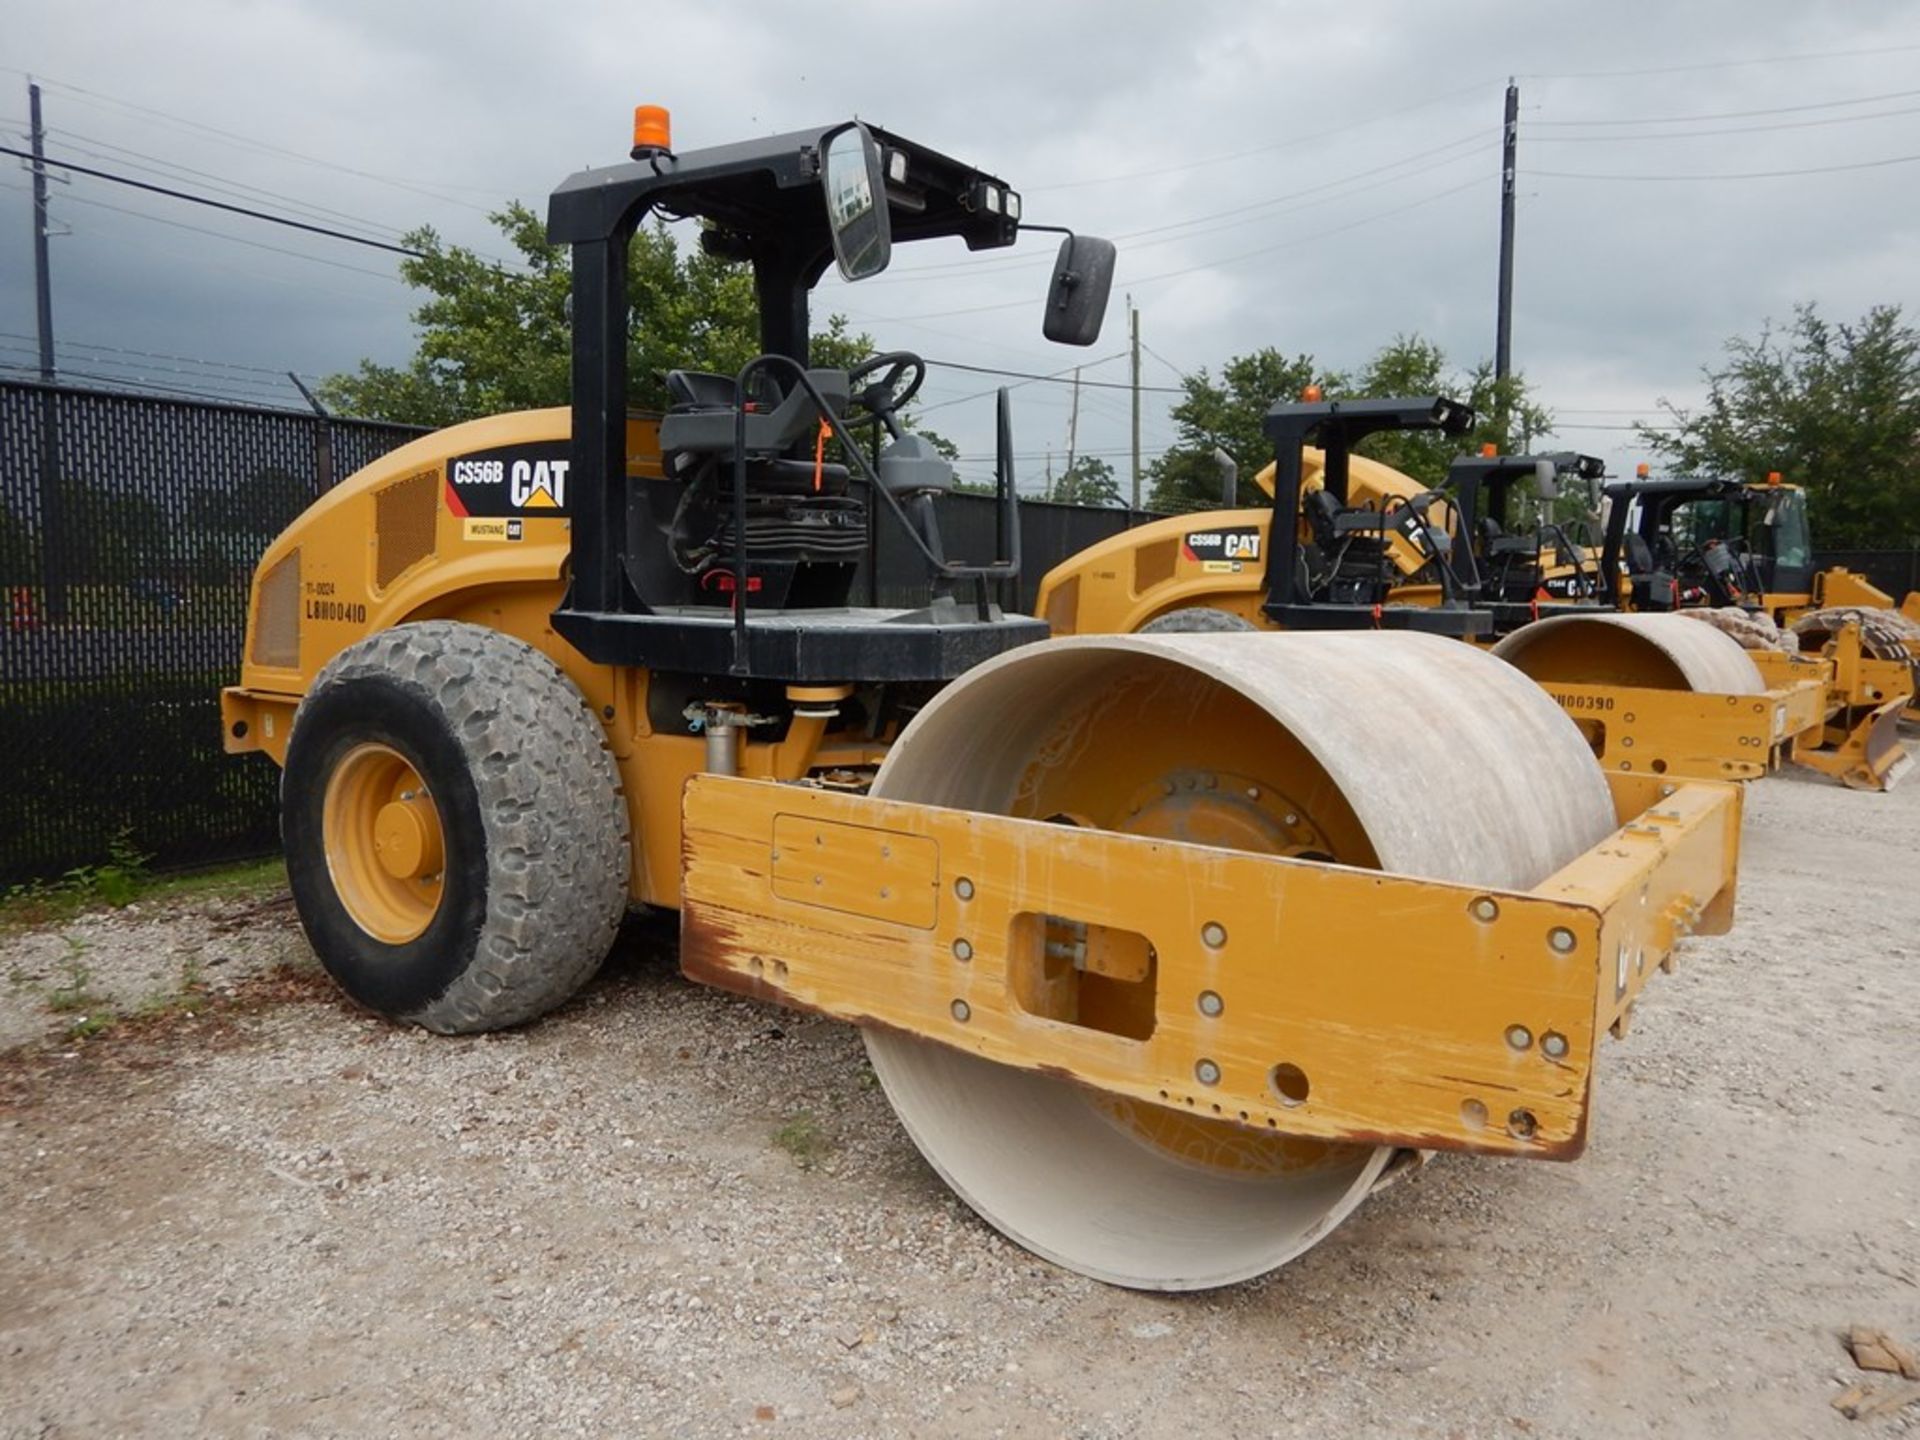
(1319, 178)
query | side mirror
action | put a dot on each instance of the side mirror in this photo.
(1546, 480)
(855, 189)
(1077, 298)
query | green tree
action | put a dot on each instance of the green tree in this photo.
(1833, 406)
(1088, 481)
(494, 339)
(1505, 414)
(1226, 415)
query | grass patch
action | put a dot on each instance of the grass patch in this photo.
(803, 1139)
(190, 997)
(72, 996)
(124, 880)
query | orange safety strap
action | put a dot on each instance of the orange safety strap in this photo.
(820, 455)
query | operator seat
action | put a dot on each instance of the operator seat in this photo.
(699, 426)
(1652, 587)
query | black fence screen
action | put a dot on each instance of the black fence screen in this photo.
(1895, 571)
(129, 527)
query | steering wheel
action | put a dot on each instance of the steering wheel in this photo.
(882, 384)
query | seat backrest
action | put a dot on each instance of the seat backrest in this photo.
(1639, 554)
(912, 466)
(700, 390)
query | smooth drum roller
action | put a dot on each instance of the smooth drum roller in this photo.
(1400, 752)
(1652, 652)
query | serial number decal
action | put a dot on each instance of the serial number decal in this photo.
(343, 610)
(1584, 702)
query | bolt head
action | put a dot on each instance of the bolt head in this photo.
(1485, 908)
(1206, 1072)
(961, 1011)
(962, 950)
(1560, 940)
(1210, 1003)
(1553, 1045)
(1519, 1037)
(963, 887)
(1213, 934)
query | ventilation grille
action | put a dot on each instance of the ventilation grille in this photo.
(1063, 607)
(403, 522)
(276, 615)
(1153, 564)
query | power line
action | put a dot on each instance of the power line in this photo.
(1801, 58)
(1288, 144)
(1003, 266)
(1056, 378)
(252, 143)
(1742, 175)
(1309, 239)
(1135, 282)
(1181, 374)
(1021, 384)
(209, 201)
(1736, 114)
(1728, 130)
(235, 239)
(238, 189)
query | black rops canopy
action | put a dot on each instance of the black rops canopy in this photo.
(763, 201)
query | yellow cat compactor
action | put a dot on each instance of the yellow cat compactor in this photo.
(1370, 548)
(1168, 949)
(1687, 543)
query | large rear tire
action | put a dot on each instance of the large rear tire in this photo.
(1400, 752)
(456, 836)
(1198, 620)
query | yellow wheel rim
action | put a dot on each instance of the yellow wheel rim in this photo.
(385, 847)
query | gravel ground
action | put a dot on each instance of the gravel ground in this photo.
(251, 1210)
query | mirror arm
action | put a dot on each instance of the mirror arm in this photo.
(1069, 279)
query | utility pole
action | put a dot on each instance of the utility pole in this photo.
(42, 280)
(1503, 319)
(1073, 429)
(53, 540)
(1133, 316)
